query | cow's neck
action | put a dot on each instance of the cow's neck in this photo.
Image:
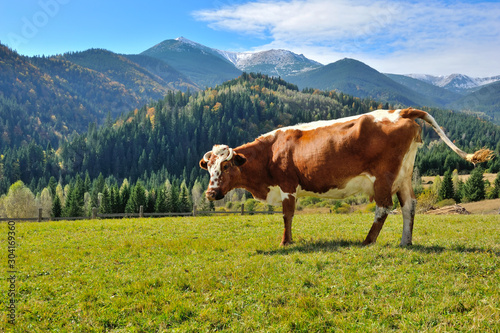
(254, 173)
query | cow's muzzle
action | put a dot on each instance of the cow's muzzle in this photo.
(214, 194)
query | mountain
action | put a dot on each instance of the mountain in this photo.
(140, 74)
(279, 63)
(358, 79)
(485, 100)
(48, 98)
(65, 93)
(41, 106)
(459, 83)
(199, 63)
(208, 66)
(171, 77)
(440, 96)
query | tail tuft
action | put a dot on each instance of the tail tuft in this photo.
(480, 156)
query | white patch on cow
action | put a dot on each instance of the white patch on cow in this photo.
(221, 152)
(378, 115)
(380, 212)
(313, 125)
(381, 115)
(275, 196)
(359, 184)
(406, 169)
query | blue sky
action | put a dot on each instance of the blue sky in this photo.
(426, 37)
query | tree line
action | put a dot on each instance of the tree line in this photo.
(165, 139)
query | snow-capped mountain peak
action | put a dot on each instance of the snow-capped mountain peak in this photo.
(455, 82)
(277, 62)
(274, 62)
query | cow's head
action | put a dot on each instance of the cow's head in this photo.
(223, 164)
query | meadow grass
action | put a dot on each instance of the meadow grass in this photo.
(209, 274)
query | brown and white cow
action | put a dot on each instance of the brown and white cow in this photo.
(372, 153)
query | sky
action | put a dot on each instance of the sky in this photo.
(401, 37)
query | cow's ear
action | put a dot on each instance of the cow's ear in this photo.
(203, 164)
(239, 160)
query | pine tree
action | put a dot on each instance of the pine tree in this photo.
(137, 199)
(72, 207)
(474, 189)
(79, 191)
(173, 199)
(105, 207)
(56, 207)
(115, 199)
(87, 185)
(124, 195)
(150, 202)
(184, 202)
(496, 188)
(161, 201)
(139, 196)
(446, 189)
(52, 187)
(459, 193)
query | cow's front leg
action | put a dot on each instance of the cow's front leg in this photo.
(288, 212)
(380, 217)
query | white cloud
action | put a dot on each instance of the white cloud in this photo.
(402, 36)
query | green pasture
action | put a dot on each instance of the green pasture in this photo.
(228, 273)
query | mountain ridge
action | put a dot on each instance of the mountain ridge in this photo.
(66, 93)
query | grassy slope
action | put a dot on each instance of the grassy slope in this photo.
(228, 273)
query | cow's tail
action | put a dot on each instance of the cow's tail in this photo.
(479, 156)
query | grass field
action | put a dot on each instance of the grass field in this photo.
(210, 274)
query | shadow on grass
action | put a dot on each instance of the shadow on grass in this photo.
(456, 247)
(304, 246)
(322, 245)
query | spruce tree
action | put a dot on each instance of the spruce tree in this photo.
(56, 207)
(52, 187)
(150, 202)
(161, 201)
(173, 199)
(72, 207)
(446, 189)
(184, 202)
(474, 189)
(139, 196)
(496, 187)
(124, 195)
(105, 207)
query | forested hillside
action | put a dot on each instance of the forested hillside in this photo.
(47, 98)
(166, 138)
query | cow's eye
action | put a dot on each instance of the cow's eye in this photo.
(225, 167)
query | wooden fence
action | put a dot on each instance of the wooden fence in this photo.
(141, 214)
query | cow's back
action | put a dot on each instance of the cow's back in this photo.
(330, 156)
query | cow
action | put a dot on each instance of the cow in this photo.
(373, 153)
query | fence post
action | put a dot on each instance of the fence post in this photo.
(39, 215)
(242, 209)
(194, 210)
(141, 211)
(94, 213)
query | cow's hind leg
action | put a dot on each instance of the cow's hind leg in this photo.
(288, 212)
(408, 207)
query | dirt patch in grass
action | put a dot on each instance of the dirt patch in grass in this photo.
(483, 207)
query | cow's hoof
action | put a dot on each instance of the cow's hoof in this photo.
(367, 242)
(283, 243)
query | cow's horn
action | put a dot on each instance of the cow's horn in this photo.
(231, 153)
(206, 157)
